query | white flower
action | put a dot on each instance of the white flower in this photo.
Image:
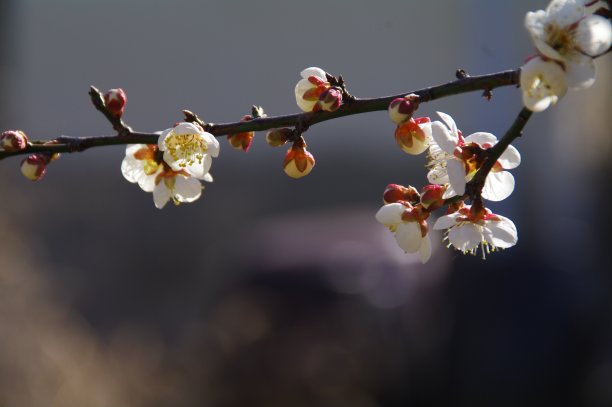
(410, 231)
(310, 87)
(563, 33)
(143, 164)
(467, 230)
(543, 83)
(188, 148)
(454, 160)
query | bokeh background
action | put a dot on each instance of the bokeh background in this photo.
(274, 292)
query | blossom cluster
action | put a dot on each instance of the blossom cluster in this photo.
(567, 39)
(453, 161)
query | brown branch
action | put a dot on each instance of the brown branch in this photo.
(125, 135)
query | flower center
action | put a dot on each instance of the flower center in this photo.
(187, 148)
(560, 39)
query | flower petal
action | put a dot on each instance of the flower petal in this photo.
(535, 23)
(425, 249)
(594, 35)
(408, 236)
(313, 71)
(565, 12)
(162, 137)
(390, 214)
(187, 189)
(501, 233)
(446, 221)
(443, 137)
(147, 182)
(481, 138)
(456, 175)
(580, 72)
(465, 237)
(132, 169)
(300, 89)
(498, 186)
(186, 128)
(161, 195)
(510, 158)
(450, 122)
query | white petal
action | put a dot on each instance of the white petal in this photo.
(147, 182)
(446, 221)
(594, 35)
(565, 12)
(131, 149)
(212, 144)
(161, 195)
(498, 186)
(160, 141)
(449, 121)
(443, 137)
(543, 83)
(538, 103)
(501, 233)
(426, 127)
(465, 237)
(510, 158)
(580, 72)
(546, 50)
(456, 175)
(313, 71)
(302, 87)
(425, 249)
(449, 193)
(408, 236)
(132, 169)
(535, 21)
(438, 175)
(187, 189)
(390, 214)
(481, 138)
(206, 177)
(186, 128)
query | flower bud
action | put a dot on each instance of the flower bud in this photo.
(330, 100)
(431, 196)
(115, 100)
(278, 137)
(414, 136)
(401, 109)
(298, 161)
(242, 141)
(396, 193)
(13, 140)
(34, 167)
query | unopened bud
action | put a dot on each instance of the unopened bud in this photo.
(278, 137)
(13, 140)
(330, 100)
(242, 141)
(431, 196)
(298, 161)
(401, 109)
(34, 166)
(414, 136)
(396, 193)
(115, 100)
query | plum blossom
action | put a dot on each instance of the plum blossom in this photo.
(313, 92)
(470, 228)
(188, 148)
(143, 164)
(414, 135)
(543, 83)
(454, 160)
(298, 161)
(565, 34)
(409, 227)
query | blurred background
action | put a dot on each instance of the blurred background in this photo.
(274, 292)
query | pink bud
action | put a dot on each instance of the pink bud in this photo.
(34, 166)
(298, 161)
(242, 141)
(401, 109)
(431, 196)
(115, 100)
(331, 99)
(396, 193)
(13, 140)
